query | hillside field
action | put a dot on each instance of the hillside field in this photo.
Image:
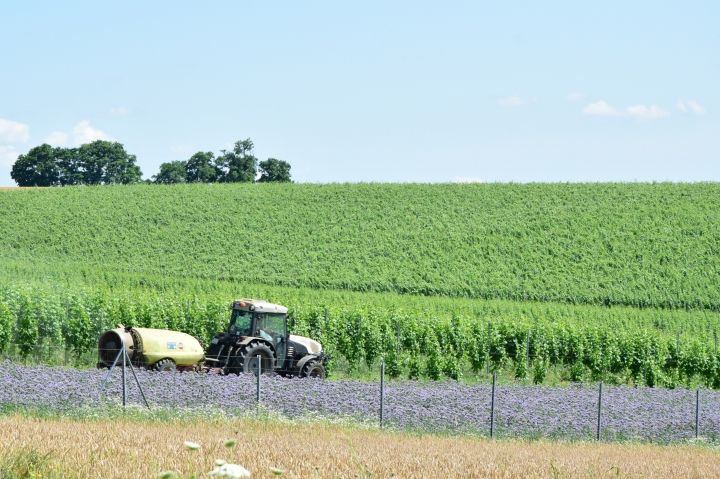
(649, 245)
(598, 279)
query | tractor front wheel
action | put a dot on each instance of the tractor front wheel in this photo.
(246, 359)
(313, 369)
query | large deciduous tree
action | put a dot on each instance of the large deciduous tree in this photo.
(274, 170)
(105, 163)
(171, 172)
(201, 168)
(39, 167)
(238, 165)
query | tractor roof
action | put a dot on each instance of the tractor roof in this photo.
(259, 306)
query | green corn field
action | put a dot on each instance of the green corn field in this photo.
(603, 281)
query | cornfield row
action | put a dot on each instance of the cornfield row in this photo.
(418, 343)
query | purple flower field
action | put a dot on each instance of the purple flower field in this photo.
(658, 415)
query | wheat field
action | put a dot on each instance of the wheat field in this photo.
(131, 448)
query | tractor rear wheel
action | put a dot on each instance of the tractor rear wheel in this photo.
(246, 359)
(313, 369)
(165, 365)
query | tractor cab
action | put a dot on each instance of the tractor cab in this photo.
(260, 319)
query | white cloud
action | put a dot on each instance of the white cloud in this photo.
(57, 138)
(690, 106)
(515, 100)
(84, 133)
(12, 131)
(122, 111)
(644, 113)
(468, 179)
(8, 155)
(600, 108)
(696, 108)
(575, 96)
(639, 112)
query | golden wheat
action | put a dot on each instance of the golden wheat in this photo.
(122, 449)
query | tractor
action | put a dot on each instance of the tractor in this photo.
(256, 341)
(258, 332)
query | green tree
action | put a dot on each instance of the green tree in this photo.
(238, 165)
(201, 168)
(103, 163)
(172, 172)
(274, 170)
(39, 167)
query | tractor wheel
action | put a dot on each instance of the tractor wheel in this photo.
(313, 369)
(165, 365)
(246, 359)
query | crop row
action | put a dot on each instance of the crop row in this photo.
(642, 245)
(415, 343)
(90, 282)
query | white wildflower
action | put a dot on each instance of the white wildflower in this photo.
(192, 445)
(232, 471)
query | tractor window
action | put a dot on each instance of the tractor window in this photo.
(240, 323)
(271, 327)
(271, 324)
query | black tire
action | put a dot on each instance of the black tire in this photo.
(166, 364)
(313, 369)
(246, 359)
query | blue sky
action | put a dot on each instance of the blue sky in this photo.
(374, 91)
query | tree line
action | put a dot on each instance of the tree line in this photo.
(238, 165)
(104, 163)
